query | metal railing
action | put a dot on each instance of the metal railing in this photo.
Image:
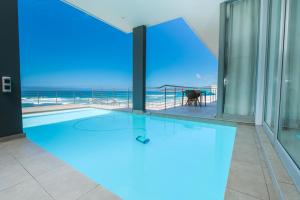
(170, 96)
(157, 98)
(114, 98)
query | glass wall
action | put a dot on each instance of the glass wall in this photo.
(272, 73)
(289, 129)
(242, 27)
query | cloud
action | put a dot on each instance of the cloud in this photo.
(206, 79)
(198, 76)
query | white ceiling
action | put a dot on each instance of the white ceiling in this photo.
(201, 15)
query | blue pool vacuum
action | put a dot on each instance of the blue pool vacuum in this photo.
(142, 139)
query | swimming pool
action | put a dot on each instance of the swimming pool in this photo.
(183, 160)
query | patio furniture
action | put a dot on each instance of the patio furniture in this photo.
(192, 97)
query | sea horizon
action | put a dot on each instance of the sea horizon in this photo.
(42, 96)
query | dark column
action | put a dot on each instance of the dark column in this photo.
(222, 60)
(10, 102)
(139, 68)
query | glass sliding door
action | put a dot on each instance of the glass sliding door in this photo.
(242, 30)
(282, 83)
(289, 130)
(273, 66)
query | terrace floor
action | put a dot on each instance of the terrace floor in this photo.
(209, 111)
(28, 172)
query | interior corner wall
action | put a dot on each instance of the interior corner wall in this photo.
(10, 103)
(261, 65)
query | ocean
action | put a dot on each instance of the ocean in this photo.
(120, 97)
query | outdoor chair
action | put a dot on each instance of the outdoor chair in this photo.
(192, 97)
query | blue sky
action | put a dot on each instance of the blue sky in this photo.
(61, 47)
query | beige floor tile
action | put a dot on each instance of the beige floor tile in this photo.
(267, 176)
(281, 172)
(274, 195)
(65, 183)
(270, 152)
(234, 195)
(27, 190)
(290, 191)
(286, 185)
(245, 139)
(21, 148)
(262, 159)
(264, 138)
(6, 159)
(12, 174)
(99, 193)
(40, 163)
(246, 153)
(249, 179)
(246, 129)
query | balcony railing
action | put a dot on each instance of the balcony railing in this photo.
(170, 96)
(157, 98)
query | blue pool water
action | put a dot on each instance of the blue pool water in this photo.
(183, 160)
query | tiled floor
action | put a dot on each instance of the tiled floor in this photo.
(284, 181)
(247, 178)
(209, 111)
(28, 173)
(51, 108)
